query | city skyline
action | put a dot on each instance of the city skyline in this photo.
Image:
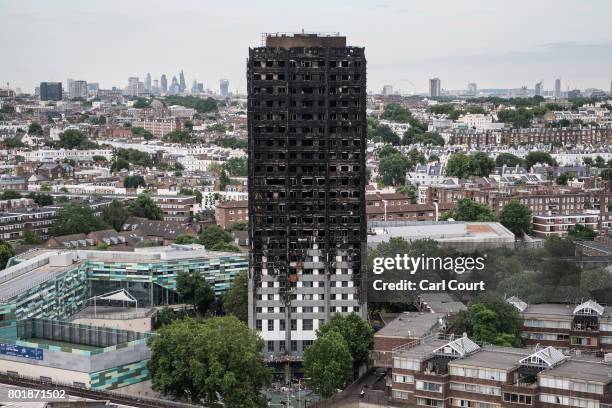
(435, 42)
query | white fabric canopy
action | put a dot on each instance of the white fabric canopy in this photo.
(121, 295)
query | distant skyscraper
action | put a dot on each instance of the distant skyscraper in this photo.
(132, 88)
(147, 83)
(574, 93)
(50, 91)
(434, 87)
(155, 88)
(557, 88)
(538, 89)
(472, 88)
(79, 90)
(224, 87)
(69, 87)
(387, 90)
(182, 85)
(174, 87)
(92, 88)
(164, 83)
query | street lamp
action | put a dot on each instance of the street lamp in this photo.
(385, 203)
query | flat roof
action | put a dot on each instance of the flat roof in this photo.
(422, 350)
(502, 358)
(441, 302)
(439, 231)
(581, 369)
(410, 324)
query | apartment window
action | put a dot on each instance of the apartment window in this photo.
(293, 324)
(270, 347)
(307, 324)
(271, 325)
(258, 324)
(517, 398)
(282, 324)
(404, 379)
(294, 345)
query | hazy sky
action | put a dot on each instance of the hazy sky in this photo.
(495, 43)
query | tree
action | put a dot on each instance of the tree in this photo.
(458, 166)
(194, 289)
(41, 199)
(235, 300)
(215, 238)
(562, 179)
(468, 210)
(193, 192)
(134, 181)
(230, 143)
(119, 164)
(98, 159)
(144, 206)
(413, 135)
(539, 157)
(141, 103)
(328, 364)
(382, 134)
(6, 253)
(600, 162)
(75, 139)
(387, 150)
(35, 129)
(519, 118)
(508, 159)
(31, 238)
(236, 166)
(409, 190)
(393, 168)
(224, 180)
(357, 333)
(185, 239)
(558, 247)
(142, 132)
(10, 195)
(491, 320)
(580, 232)
(76, 219)
(200, 361)
(115, 214)
(178, 136)
(516, 217)
(481, 164)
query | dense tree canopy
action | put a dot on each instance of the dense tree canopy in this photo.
(115, 214)
(235, 300)
(75, 219)
(144, 206)
(328, 364)
(194, 290)
(215, 238)
(539, 157)
(203, 362)
(491, 320)
(6, 253)
(357, 333)
(134, 181)
(463, 166)
(236, 166)
(516, 217)
(178, 136)
(393, 168)
(469, 210)
(35, 129)
(75, 139)
(508, 159)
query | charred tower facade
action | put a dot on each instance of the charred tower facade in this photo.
(307, 222)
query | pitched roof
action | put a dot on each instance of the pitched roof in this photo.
(548, 357)
(461, 347)
(589, 307)
(518, 303)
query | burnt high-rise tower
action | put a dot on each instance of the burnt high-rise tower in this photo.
(307, 222)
